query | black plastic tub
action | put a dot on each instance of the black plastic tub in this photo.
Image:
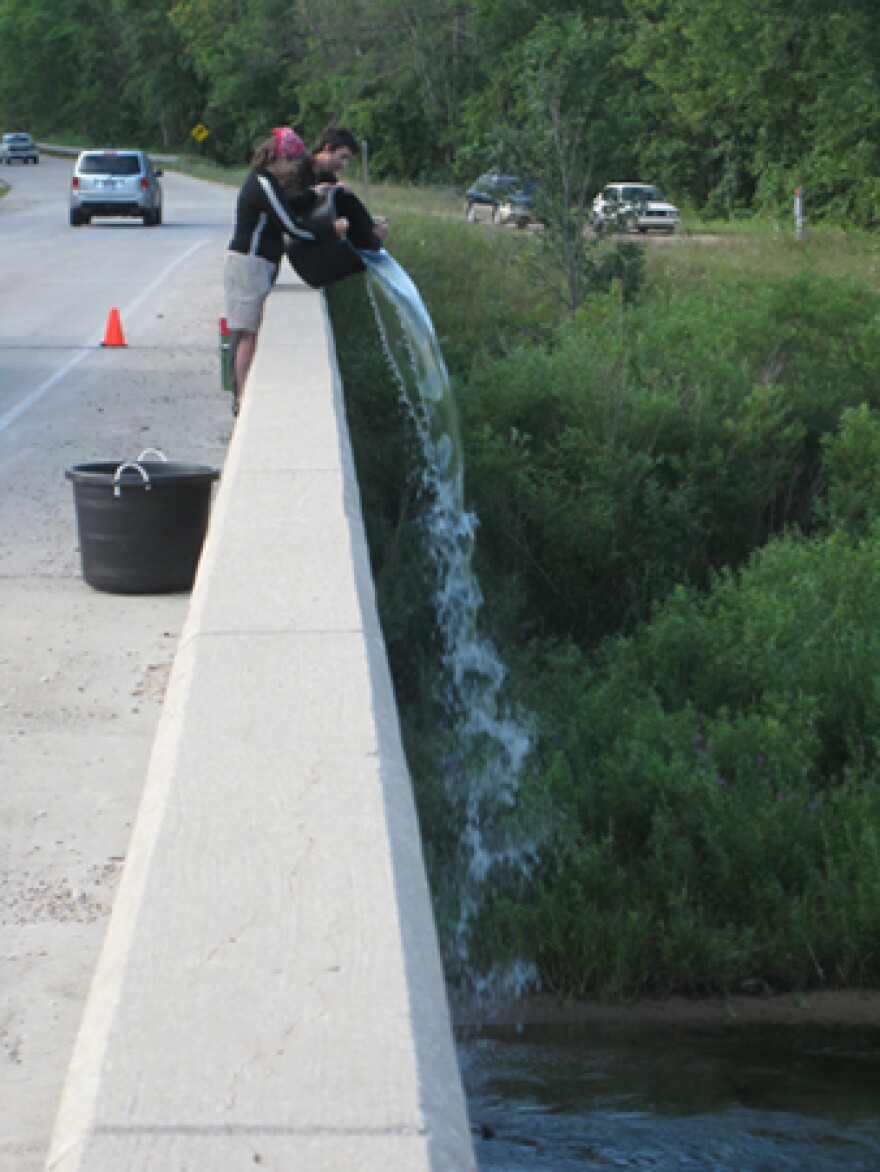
(141, 524)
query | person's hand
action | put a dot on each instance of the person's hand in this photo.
(380, 226)
(340, 226)
(323, 189)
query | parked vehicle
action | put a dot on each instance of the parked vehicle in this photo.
(635, 207)
(18, 148)
(503, 199)
(115, 183)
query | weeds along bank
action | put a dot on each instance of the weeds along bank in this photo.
(679, 545)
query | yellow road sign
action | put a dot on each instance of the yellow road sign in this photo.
(200, 132)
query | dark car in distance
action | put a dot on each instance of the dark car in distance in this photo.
(501, 199)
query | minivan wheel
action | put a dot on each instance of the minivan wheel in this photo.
(76, 218)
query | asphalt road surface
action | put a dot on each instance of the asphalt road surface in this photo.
(82, 673)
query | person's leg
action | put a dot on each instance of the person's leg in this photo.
(248, 281)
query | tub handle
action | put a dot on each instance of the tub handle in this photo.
(153, 452)
(117, 487)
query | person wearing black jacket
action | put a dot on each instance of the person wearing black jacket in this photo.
(266, 217)
(326, 259)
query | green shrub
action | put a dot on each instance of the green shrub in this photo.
(722, 764)
(637, 451)
(852, 465)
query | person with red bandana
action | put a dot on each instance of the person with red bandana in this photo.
(266, 218)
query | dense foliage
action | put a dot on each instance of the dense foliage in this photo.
(728, 104)
(679, 543)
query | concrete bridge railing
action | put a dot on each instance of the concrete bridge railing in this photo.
(270, 992)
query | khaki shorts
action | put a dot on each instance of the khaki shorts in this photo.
(247, 281)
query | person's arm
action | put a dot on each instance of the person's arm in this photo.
(323, 219)
(279, 209)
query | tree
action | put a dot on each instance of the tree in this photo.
(124, 77)
(397, 71)
(571, 117)
(161, 94)
(57, 66)
(771, 93)
(247, 57)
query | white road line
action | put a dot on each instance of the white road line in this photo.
(28, 401)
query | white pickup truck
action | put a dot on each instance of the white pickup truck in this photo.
(636, 207)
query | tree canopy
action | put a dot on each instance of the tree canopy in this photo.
(729, 105)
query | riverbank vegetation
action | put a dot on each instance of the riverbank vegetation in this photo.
(679, 544)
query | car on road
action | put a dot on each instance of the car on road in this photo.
(19, 148)
(635, 207)
(502, 199)
(115, 183)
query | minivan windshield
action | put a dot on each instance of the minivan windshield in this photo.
(100, 164)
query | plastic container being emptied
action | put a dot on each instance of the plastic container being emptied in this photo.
(141, 523)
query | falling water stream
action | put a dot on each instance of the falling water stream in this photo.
(482, 778)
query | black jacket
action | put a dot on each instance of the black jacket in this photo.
(264, 216)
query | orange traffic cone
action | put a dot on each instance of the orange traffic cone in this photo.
(113, 333)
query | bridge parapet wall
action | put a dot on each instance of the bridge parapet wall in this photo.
(270, 991)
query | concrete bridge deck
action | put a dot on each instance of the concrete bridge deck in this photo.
(270, 991)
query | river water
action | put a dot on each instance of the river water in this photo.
(738, 1099)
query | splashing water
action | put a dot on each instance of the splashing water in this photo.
(483, 774)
